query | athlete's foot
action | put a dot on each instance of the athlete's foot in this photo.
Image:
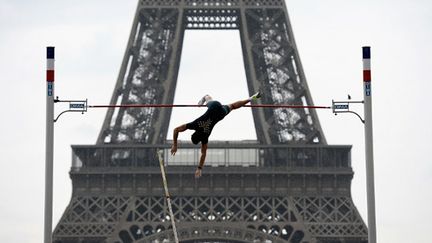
(204, 99)
(256, 96)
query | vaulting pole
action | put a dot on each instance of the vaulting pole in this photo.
(167, 195)
(49, 146)
(370, 184)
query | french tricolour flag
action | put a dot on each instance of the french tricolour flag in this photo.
(50, 64)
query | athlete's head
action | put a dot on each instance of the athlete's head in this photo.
(196, 137)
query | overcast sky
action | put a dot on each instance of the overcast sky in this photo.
(90, 40)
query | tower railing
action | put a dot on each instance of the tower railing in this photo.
(218, 155)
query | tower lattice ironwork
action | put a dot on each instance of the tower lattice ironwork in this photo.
(289, 186)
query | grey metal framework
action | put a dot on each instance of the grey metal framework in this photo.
(150, 67)
(289, 186)
(301, 195)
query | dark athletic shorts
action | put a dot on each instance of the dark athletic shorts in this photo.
(214, 104)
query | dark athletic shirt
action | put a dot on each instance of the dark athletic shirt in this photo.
(205, 123)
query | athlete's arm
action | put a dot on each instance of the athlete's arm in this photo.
(178, 129)
(202, 160)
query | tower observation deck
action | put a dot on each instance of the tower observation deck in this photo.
(288, 186)
(249, 193)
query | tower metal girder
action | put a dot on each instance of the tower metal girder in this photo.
(274, 67)
(148, 76)
(304, 197)
(150, 67)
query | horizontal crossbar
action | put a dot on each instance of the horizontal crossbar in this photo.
(171, 106)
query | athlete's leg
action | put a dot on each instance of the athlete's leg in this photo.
(238, 104)
(241, 103)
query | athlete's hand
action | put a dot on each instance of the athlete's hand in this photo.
(198, 173)
(173, 149)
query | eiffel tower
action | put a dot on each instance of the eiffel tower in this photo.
(288, 186)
